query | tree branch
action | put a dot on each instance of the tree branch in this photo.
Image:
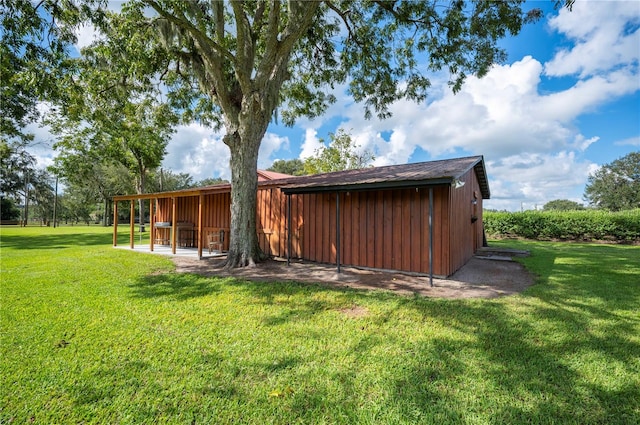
(245, 54)
(199, 36)
(274, 61)
(257, 19)
(218, 15)
(211, 54)
(345, 19)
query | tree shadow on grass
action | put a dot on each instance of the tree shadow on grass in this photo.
(175, 286)
(528, 362)
(529, 377)
(545, 358)
(521, 360)
(49, 242)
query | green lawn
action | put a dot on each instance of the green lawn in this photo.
(91, 334)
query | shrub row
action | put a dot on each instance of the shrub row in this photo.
(574, 225)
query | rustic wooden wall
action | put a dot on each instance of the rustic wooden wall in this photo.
(465, 236)
(216, 215)
(271, 222)
(385, 229)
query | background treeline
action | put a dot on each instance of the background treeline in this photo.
(622, 226)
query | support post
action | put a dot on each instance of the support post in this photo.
(152, 225)
(199, 230)
(174, 223)
(288, 229)
(338, 230)
(431, 236)
(132, 219)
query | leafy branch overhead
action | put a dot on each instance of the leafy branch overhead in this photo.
(383, 50)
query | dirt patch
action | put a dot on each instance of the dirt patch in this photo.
(355, 311)
(481, 277)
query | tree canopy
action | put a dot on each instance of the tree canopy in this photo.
(293, 167)
(15, 164)
(616, 186)
(341, 154)
(34, 58)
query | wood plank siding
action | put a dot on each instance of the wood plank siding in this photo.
(216, 215)
(271, 218)
(465, 235)
(385, 229)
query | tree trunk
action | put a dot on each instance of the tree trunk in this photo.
(243, 239)
(106, 212)
(248, 106)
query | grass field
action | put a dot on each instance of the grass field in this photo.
(90, 334)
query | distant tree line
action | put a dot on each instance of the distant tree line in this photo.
(28, 193)
(613, 187)
(613, 195)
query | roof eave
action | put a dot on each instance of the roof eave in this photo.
(368, 186)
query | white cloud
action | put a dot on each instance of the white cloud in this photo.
(503, 115)
(86, 35)
(587, 94)
(631, 141)
(310, 143)
(529, 180)
(606, 36)
(199, 151)
(271, 143)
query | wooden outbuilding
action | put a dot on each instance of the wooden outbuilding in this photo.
(423, 218)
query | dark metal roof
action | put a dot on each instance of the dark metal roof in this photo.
(389, 177)
(419, 174)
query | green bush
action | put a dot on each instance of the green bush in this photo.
(8, 209)
(572, 225)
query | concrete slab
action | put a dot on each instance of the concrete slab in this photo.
(185, 252)
(482, 277)
(476, 279)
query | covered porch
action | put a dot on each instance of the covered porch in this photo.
(192, 222)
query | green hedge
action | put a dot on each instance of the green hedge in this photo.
(576, 225)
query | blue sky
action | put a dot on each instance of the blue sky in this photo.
(565, 102)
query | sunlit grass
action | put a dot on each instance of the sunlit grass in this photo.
(97, 335)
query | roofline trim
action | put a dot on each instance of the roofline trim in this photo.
(356, 187)
(289, 187)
